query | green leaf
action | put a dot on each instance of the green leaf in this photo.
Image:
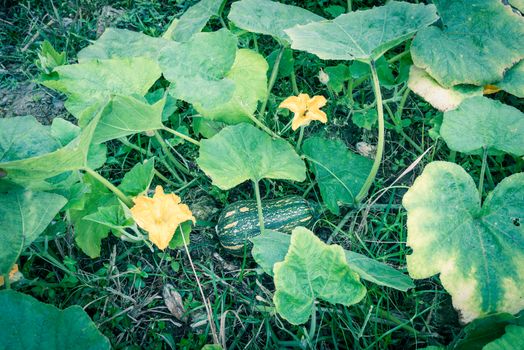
(338, 75)
(138, 179)
(272, 246)
(478, 251)
(443, 99)
(484, 330)
(513, 81)
(91, 83)
(362, 35)
(269, 248)
(512, 339)
(24, 137)
(207, 128)
(195, 18)
(377, 272)
(38, 166)
(313, 270)
(122, 43)
(366, 119)
(477, 42)
(201, 64)
(518, 4)
(112, 216)
(49, 58)
(269, 17)
(185, 229)
(63, 131)
(243, 152)
(23, 217)
(89, 234)
(340, 173)
(28, 324)
(286, 65)
(248, 75)
(482, 122)
(127, 115)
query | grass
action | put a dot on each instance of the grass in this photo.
(123, 289)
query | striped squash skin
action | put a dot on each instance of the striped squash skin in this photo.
(239, 221)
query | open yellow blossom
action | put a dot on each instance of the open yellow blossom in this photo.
(160, 215)
(14, 275)
(305, 108)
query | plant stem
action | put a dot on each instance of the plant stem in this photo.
(293, 79)
(182, 136)
(125, 199)
(259, 206)
(313, 324)
(483, 170)
(165, 179)
(350, 7)
(204, 300)
(380, 146)
(272, 79)
(170, 155)
(7, 281)
(300, 136)
(263, 127)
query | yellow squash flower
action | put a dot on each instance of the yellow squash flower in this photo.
(160, 215)
(14, 275)
(305, 108)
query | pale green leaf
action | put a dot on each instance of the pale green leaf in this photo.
(271, 247)
(243, 152)
(138, 179)
(478, 250)
(89, 234)
(201, 64)
(195, 18)
(477, 41)
(88, 84)
(511, 340)
(248, 75)
(24, 137)
(518, 4)
(127, 115)
(482, 122)
(513, 81)
(442, 98)
(340, 173)
(28, 324)
(23, 217)
(122, 43)
(63, 131)
(313, 270)
(362, 35)
(269, 17)
(112, 216)
(74, 156)
(484, 330)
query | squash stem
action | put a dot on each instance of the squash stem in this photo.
(300, 136)
(272, 79)
(380, 147)
(259, 206)
(7, 281)
(170, 155)
(483, 171)
(293, 79)
(125, 199)
(182, 136)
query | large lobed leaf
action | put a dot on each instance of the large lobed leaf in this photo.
(272, 246)
(269, 17)
(26, 166)
(313, 270)
(477, 42)
(195, 18)
(28, 324)
(482, 122)
(340, 173)
(243, 152)
(24, 215)
(88, 85)
(362, 35)
(478, 251)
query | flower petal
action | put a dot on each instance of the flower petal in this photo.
(317, 115)
(316, 102)
(296, 104)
